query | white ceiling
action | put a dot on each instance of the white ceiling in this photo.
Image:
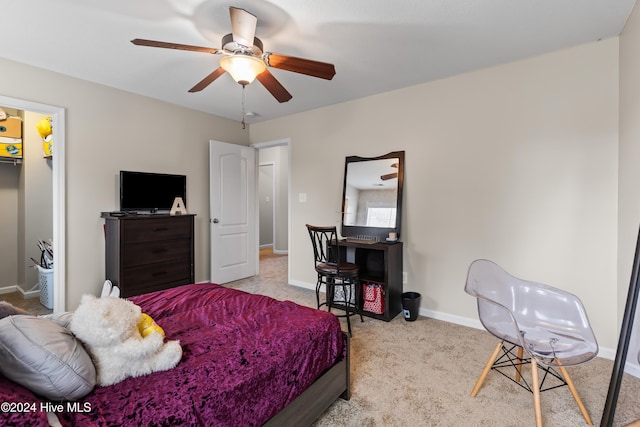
(376, 45)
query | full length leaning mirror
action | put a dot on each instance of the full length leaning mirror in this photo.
(372, 195)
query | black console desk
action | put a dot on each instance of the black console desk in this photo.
(381, 263)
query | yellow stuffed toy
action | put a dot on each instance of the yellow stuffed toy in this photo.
(45, 131)
(147, 326)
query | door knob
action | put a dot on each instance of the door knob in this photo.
(215, 220)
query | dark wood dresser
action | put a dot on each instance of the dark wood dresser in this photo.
(146, 253)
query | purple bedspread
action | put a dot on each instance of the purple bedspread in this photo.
(24, 407)
(245, 357)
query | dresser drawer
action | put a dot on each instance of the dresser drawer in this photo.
(153, 229)
(136, 280)
(139, 253)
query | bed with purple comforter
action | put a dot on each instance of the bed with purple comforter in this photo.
(245, 358)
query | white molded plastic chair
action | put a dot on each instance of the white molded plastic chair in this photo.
(547, 323)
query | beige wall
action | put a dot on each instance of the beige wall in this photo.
(629, 174)
(108, 130)
(515, 163)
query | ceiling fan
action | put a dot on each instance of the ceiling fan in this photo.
(392, 175)
(243, 57)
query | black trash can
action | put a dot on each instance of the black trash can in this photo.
(410, 305)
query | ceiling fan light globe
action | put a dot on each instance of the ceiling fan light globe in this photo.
(243, 68)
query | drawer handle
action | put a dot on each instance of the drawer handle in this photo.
(158, 251)
(158, 273)
(160, 229)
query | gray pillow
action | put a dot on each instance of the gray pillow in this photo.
(45, 357)
(62, 319)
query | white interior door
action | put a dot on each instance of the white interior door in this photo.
(233, 214)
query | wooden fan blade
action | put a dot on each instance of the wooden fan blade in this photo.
(273, 86)
(207, 80)
(243, 26)
(319, 69)
(389, 176)
(166, 45)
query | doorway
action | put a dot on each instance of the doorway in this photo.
(274, 156)
(266, 208)
(57, 189)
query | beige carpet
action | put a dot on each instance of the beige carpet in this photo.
(31, 305)
(421, 374)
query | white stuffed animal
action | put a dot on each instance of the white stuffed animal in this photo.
(108, 328)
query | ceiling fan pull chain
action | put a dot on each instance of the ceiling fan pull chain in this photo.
(243, 125)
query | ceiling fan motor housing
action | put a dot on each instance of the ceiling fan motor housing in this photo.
(232, 47)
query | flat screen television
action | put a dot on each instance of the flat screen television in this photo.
(146, 192)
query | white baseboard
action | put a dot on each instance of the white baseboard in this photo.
(632, 369)
(304, 285)
(29, 294)
(274, 250)
(8, 289)
(605, 352)
(17, 288)
(34, 292)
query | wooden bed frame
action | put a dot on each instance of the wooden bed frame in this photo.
(308, 407)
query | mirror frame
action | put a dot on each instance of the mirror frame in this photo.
(608, 413)
(363, 230)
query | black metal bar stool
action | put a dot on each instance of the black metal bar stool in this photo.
(335, 274)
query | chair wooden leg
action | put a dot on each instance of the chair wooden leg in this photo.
(486, 370)
(535, 386)
(519, 364)
(574, 392)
